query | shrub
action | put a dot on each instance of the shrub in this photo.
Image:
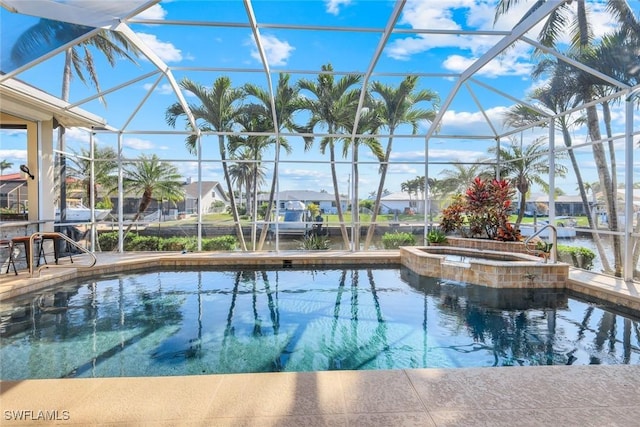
(484, 207)
(313, 242)
(109, 241)
(366, 204)
(436, 236)
(174, 243)
(395, 240)
(578, 256)
(143, 243)
(221, 243)
(453, 216)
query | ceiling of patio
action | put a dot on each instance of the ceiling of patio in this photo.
(134, 92)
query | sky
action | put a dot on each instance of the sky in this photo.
(203, 53)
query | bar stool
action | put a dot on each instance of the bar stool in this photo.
(24, 240)
(55, 238)
(6, 244)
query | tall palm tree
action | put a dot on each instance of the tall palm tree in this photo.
(557, 97)
(5, 164)
(398, 107)
(240, 172)
(563, 18)
(287, 103)
(331, 101)
(79, 58)
(152, 179)
(218, 111)
(369, 123)
(413, 186)
(104, 166)
(525, 166)
(251, 147)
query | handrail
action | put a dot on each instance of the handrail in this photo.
(64, 237)
(553, 253)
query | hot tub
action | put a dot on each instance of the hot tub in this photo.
(486, 268)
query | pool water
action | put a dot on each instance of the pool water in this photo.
(206, 322)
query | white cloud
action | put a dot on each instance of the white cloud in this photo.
(163, 89)
(139, 144)
(154, 12)
(166, 51)
(468, 123)
(445, 15)
(76, 134)
(443, 155)
(13, 155)
(277, 51)
(12, 133)
(479, 15)
(509, 64)
(333, 6)
(402, 169)
(303, 174)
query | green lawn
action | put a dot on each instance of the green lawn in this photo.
(581, 221)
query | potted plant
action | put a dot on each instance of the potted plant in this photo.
(543, 249)
(436, 237)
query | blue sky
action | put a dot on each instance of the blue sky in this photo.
(203, 53)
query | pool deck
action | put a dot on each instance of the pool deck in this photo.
(596, 395)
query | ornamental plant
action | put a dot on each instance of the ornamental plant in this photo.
(436, 236)
(484, 209)
(395, 240)
(453, 216)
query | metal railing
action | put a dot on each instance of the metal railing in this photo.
(552, 254)
(69, 240)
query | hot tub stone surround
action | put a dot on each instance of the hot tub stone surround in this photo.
(490, 245)
(494, 269)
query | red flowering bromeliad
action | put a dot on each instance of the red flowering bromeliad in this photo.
(485, 209)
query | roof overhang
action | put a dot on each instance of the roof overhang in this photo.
(25, 101)
(81, 12)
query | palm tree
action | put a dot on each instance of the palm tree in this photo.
(218, 111)
(286, 103)
(152, 179)
(104, 165)
(5, 164)
(407, 187)
(251, 147)
(240, 173)
(79, 58)
(524, 166)
(411, 186)
(368, 123)
(556, 97)
(331, 101)
(581, 37)
(398, 107)
(458, 179)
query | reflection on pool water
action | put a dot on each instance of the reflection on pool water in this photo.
(202, 322)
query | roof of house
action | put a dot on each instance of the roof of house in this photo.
(400, 196)
(13, 177)
(191, 189)
(301, 195)
(543, 198)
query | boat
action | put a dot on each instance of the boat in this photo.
(296, 219)
(565, 228)
(81, 213)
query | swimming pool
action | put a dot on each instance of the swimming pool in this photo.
(203, 322)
